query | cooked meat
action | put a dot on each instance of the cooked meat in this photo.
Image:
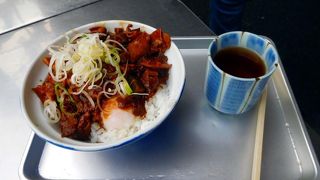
(68, 125)
(142, 63)
(139, 47)
(160, 41)
(84, 127)
(45, 90)
(98, 29)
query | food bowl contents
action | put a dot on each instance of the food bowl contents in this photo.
(103, 85)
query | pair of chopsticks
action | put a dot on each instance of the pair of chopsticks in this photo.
(257, 153)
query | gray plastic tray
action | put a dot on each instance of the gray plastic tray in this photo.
(195, 142)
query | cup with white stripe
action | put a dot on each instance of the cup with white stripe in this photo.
(233, 94)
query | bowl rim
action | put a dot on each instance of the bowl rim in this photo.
(87, 146)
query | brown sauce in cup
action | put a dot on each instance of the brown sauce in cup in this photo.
(240, 62)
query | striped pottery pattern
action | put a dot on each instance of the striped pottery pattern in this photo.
(235, 95)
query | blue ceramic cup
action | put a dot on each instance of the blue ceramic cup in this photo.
(235, 95)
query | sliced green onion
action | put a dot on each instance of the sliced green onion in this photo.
(89, 98)
(51, 111)
(60, 96)
(58, 86)
(125, 87)
(83, 54)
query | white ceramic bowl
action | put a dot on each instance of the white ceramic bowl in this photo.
(33, 110)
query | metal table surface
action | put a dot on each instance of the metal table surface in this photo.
(19, 47)
(18, 13)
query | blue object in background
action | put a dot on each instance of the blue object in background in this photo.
(225, 15)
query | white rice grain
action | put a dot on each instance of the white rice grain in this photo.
(153, 106)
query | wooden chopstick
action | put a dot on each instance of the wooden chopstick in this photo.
(257, 154)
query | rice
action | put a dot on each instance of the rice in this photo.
(153, 106)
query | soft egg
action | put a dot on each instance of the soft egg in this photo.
(115, 118)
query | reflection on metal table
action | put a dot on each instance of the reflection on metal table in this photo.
(18, 13)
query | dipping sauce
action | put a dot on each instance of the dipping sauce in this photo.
(240, 62)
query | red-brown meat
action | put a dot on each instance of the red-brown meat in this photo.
(45, 90)
(150, 80)
(84, 127)
(139, 47)
(98, 29)
(160, 41)
(68, 125)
